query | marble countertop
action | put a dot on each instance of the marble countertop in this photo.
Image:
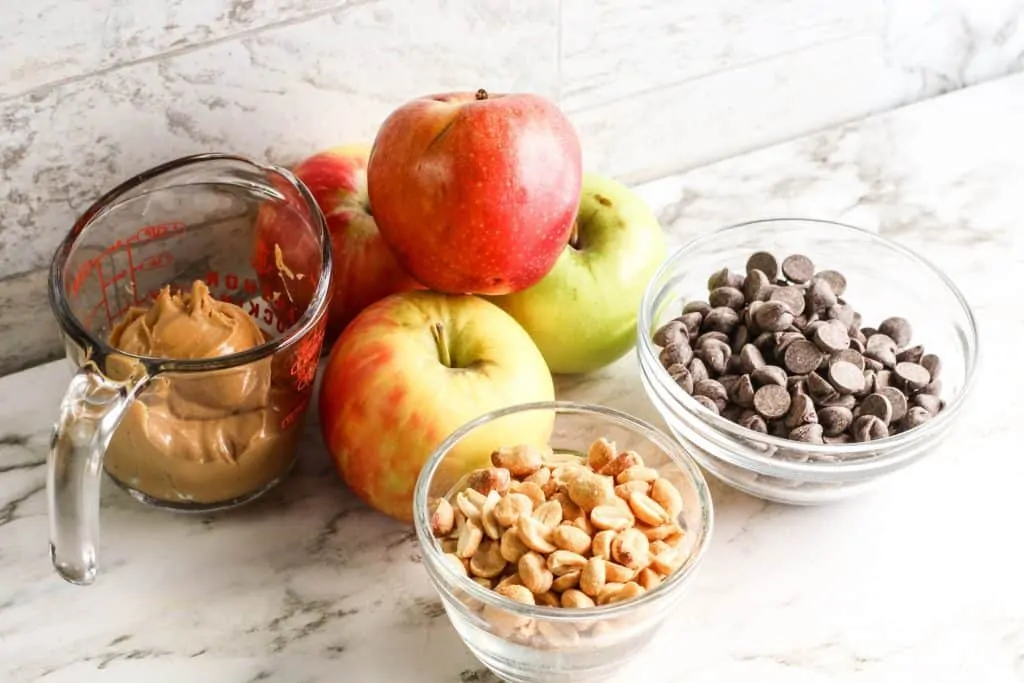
(920, 580)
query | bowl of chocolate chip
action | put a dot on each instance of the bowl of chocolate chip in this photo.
(802, 360)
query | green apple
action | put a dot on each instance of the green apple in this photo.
(582, 314)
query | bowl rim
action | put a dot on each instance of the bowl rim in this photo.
(667, 588)
(846, 464)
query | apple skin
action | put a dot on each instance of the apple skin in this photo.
(476, 192)
(365, 270)
(387, 400)
(582, 315)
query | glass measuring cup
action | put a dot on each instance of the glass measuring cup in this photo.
(191, 430)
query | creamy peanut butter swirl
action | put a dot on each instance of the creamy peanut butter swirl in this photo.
(199, 437)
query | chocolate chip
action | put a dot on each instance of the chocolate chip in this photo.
(721, 319)
(732, 412)
(728, 381)
(820, 297)
(682, 377)
(835, 420)
(769, 374)
(678, 352)
(717, 336)
(835, 280)
(752, 420)
(713, 390)
(819, 389)
(915, 417)
(742, 392)
(811, 432)
(869, 383)
(756, 286)
(872, 364)
(932, 364)
(847, 401)
(715, 354)
(773, 316)
(846, 377)
(671, 332)
(792, 297)
(912, 375)
(740, 338)
(897, 329)
(897, 400)
(729, 297)
(877, 405)
(838, 440)
(798, 268)
(869, 428)
(783, 340)
(707, 403)
(882, 348)
(796, 384)
(850, 356)
(765, 262)
(842, 313)
(725, 278)
(911, 354)
(692, 322)
(831, 337)
(801, 411)
(771, 401)
(702, 307)
(698, 370)
(801, 357)
(933, 404)
(751, 358)
(934, 388)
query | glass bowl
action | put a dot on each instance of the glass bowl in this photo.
(528, 643)
(883, 279)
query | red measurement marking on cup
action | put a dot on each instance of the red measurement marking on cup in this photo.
(124, 277)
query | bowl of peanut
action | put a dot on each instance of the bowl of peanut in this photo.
(558, 559)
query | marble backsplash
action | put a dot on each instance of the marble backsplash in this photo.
(92, 92)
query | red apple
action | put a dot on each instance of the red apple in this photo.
(407, 372)
(365, 270)
(476, 192)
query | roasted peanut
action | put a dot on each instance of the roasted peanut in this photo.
(564, 561)
(534, 572)
(610, 517)
(509, 508)
(510, 580)
(540, 477)
(608, 591)
(548, 599)
(475, 497)
(616, 573)
(468, 508)
(614, 592)
(600, 453)
(590, 490)
(521, 460)
(512, 547)
(593, 576)
(549, 514)
(658, 547)
(568, 537)
(455, 562)
(531, 491)
(646, 510)
(623, 490)
(487, 560)
(557, 635)
(648, 578)
(442, 517)
(582, 521)
(486, 583)
(666, 562)
(622, 462)
(489, 479)
(637, 473)
(602, 545)
(675, 537)
(576, 599)
(631, 549)
(469, 539)
(570, 510)
(535, 534)
(518, 593)
(658, 533)
(668, 497)
(488, 520)
(449, 545)
(563, 475)
(566, 581)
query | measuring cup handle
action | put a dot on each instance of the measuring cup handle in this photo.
(92, 408)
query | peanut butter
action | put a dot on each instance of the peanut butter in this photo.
(207, 437)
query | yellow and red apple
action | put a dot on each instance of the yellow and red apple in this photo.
(582, 315)
(408, 371)
(364, 268)
(475, 192)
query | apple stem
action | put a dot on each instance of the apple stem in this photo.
(441, 339)
(574, 236)
(481, 94)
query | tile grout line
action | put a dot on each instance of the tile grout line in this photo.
(43, 88)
